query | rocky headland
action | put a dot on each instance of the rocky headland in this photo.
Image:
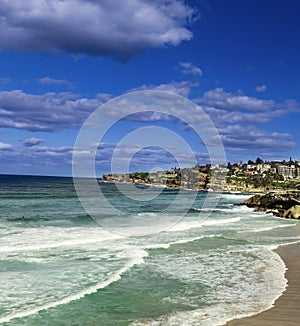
(281, 204)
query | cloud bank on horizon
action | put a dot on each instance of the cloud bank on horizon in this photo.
(236, 116)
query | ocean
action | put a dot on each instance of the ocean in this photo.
(61, 267)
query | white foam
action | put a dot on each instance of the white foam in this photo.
(243, 208)
(267, 228)
(139, 255)
(274, 247)
(245, 302)
(182, 241)
(224, 221)
(213, 210)
(146, 214)
(183, 225)
(229, 209)
(52, 237)
(236, 196)
(33, 239)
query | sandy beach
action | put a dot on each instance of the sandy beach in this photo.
(286, 309)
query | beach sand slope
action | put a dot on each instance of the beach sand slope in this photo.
(287, 307)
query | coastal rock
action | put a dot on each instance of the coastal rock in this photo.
(293, 212)
(252, 201)
(280, 204)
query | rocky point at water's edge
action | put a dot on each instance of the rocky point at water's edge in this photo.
(281, 204)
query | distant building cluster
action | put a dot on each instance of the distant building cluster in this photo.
(289, 171)
(260, 175)
(286, 170)
(248, 177)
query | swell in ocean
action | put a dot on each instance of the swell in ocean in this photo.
(59, 266)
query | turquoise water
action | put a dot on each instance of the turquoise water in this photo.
(60, 267)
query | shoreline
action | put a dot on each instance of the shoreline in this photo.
(164, 186)
(245, 191)
(285, 310)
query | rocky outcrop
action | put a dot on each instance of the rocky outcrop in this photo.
(293, 212)
(285, 205)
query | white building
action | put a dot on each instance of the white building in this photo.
(287, 171)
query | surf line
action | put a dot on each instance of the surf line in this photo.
(90, 290)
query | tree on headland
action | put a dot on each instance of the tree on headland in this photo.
(259, 161)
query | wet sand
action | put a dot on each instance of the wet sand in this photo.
(286, 310)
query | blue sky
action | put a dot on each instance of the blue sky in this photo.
(61, 60)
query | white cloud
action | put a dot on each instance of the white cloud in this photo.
(189, 69)
(47, 112)
(236, 116)
(120, 28)
(29, 142)
(36, 159)
(4, 146)
(145, 158)
(182, 88)
(52, 81)
(251, 139)
(226, 101)
(261, 88)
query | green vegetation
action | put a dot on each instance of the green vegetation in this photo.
(251, 176)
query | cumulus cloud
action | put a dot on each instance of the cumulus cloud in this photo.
(182, 88)
(4, 146)
(47, 112)
(52, 81)
(237, 118)
(189, 69)
(52, 151)
(144, 158)
(45, 159)
(29, 142)
(252, 139)
(37, 159)
(120, 28)
(261, 88)
(220, 99)
(227, 108)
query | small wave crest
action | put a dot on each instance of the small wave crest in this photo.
(257, 295)
(137, 259)
(183, 225)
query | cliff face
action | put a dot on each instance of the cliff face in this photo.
(186, 178)
(285, 205)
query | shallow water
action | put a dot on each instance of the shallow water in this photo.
(59, 267)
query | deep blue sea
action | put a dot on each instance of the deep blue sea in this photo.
(61, 267)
